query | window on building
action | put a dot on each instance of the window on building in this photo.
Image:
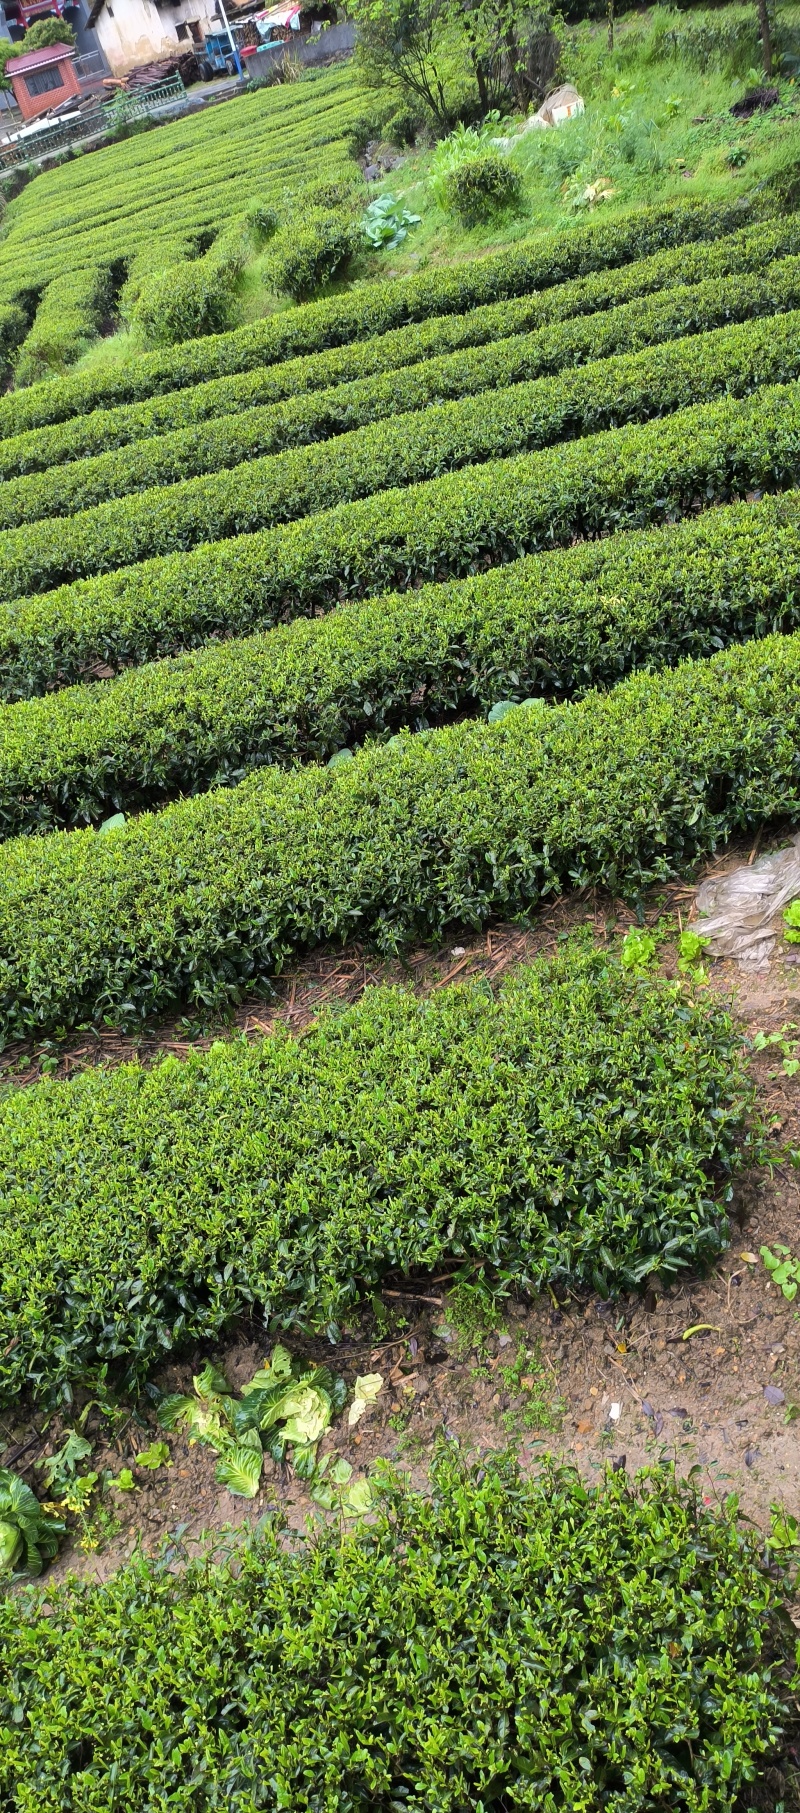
(182, 32)
(194, 27)
(43, 81)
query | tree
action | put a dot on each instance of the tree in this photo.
(44, 32)
(508, 45)
(765, 31)
(401, 42)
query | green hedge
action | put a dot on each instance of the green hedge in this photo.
(226, 442)
(625, 478)
(544, 261)
(202, 902)
(65, 323)
(143, 1208)
(751, 250)
(402, 450)
(604, 1648)
(556, 623)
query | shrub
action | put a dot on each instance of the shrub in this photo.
(555, 623)
(309, 251)
(546, 261)
(200, 903)
(516, 359)
(66, 321)
(415, 445)
(588, 1630)
(482, 186)
(187, 300)
(242, 1177)
(758, 251)
(626, 478)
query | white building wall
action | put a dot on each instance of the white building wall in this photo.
(138, 31)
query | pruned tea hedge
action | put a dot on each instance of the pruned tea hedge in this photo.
(623, 478)
(556, 623)
(749, 251)
(547, 260)
(520, 358)
(401, 450)
(200, 903)
(146, 1207)
(616, 1647)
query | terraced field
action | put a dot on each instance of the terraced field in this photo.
(261, 597)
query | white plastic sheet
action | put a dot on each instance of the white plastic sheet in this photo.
(741, 912)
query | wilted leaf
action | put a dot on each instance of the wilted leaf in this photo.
(357, 1500)
(239, 1468)
(365, 1391)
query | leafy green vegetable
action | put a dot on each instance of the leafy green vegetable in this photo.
(239, 1466)
(157, 1455)
(638, 949)
(365, 1392)
(29, 1535)
(286, 1402)
(791, 920)
(386, 222)
(783, 1268)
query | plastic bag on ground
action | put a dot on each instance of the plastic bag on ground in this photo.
(741, 912)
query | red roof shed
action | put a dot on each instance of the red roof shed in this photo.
(43, 78)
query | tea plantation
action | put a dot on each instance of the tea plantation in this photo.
(264, 578)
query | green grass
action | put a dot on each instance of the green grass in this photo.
(638, 131)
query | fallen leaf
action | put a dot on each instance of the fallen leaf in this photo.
(584, 1426)
(365, 1391)
(647, 1409)
(751, 1456)
(699, 1328)
(749, 1258)
(679, 1411)
(774, 1395)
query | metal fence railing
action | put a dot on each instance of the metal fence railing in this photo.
(32, 147)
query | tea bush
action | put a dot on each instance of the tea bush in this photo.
(66, 320)
(751, 250)
(201, 903)
(546, 260)
(518, 358)
(625, 478)
(411, 446)
(554, 623)
(184, 180)
(481, 186)
(309, 250)
(618, 1647)
(143, 1208)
